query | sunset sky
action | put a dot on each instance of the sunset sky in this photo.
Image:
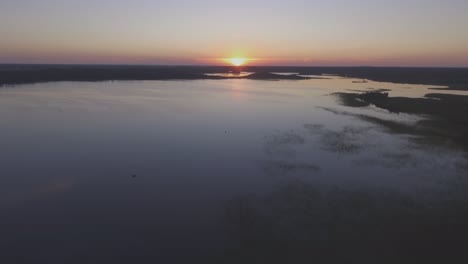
(269, 32)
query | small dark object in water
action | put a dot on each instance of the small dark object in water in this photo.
(134, 176)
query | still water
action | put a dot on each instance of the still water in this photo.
(212, 170)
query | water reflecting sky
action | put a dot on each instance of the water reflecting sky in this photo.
(114, 172)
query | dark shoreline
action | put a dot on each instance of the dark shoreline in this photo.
(446, 122)
(11, 74)
(26, 74)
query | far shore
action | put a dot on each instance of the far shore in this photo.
(11, 74)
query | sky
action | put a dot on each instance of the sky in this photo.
(269, 32)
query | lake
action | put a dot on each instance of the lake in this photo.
(222, 171)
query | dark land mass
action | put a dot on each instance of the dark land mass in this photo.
(23, 74)
(446, 121)
(455, 78)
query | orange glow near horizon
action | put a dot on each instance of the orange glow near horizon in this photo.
(237, 61)
(243, 34)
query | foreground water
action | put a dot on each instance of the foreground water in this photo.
(222, 171)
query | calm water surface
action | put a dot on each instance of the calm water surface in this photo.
(177, 171)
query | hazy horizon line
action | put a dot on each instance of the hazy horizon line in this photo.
(230, 66)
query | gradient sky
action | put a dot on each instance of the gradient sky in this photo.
(293, 32)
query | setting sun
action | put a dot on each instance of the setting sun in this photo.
(237, 61)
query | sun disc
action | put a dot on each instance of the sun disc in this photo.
(238, 61)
